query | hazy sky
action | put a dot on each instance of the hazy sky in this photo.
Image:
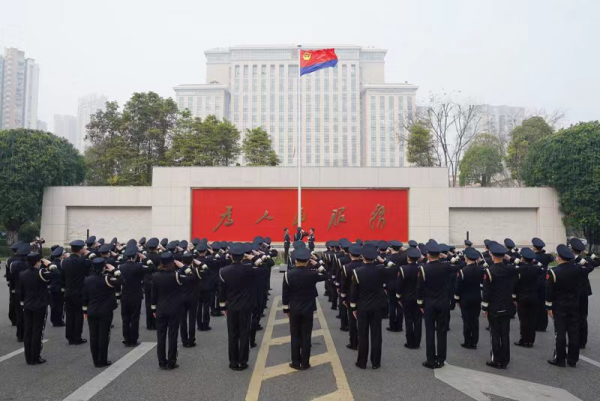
(530, 53)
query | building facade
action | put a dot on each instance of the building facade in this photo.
(42, 125)
(19, 82)
(501, 120)
(66, 126)
(258, 86)
(87, 106)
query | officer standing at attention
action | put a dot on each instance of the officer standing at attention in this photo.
(311, 240)
(468, 297)
(367, 302)
(33, 295)
(499, 282)
(12, 296)
(132, 292)
(545, 259)
(392, 263)
(236, 300)
(355, 251)
(99, 302)
(406, 292)
(209, 282)
(588, 264)
(298, 298)
(432, 297)
(18, 266)
(167, 299)
(191, 297)
(530, 278)
(74, 271)
(152, 260)
(562, 301)
(300, 234)
(57, 297)
(286, 244)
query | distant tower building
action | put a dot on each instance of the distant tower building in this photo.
(66, 126)
(257, 86)
(501, 120)
(19, 90)
(42, 125)
(88, 105)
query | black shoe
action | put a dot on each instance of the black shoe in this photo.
(79, 341)
(338, 317)
(259, 328)
(352, 347)
(297, 367)
(572, 364)
(19, 340)
(488, 328)
(494, 365)
(429, 365)
(520, 344)
(540, 330)
(375, 367)
(439, 365)
(192, 344)
(58, 325)
(135, 344)
(305, 367)
(556, 363)
(400, 330)
(252, 344)
(582, 347)
(162, 367)
(171, 367)
(107, 363)
(334, 308)
(360, 366)
(98, 365)
(207, 328)
(467, 346)
(390, 329)
(185, 345)
(39, 361)
(262, 315)
(408, 346)
(344, 329)
(243, 366)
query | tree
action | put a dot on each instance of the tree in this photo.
(204, 143)
(257, 148)
(569, 162)
(29, 161)
(522, 138)
(125, 145)
(453, 125)
(482, 161)
(420, 145)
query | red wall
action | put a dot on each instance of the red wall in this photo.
(248, 205)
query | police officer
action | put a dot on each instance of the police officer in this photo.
(33, 295)
(75, 269)
(499, 283)
(393, 261)
(153, 261)
(191, 296)
(545, 259)
(311, 240)
(298, 298)
(342, 261)
(167, 299)
(562, 301)
(530, 278)
(588, 264)
(300, 234)
(367, 302)
(209, 283)
(432, 298)
(12, 301)
(406, 293)
(99, 302)
(57, 297)
(235, 299)
(132, 280)
(468, 297)
(18, 266)
(286, 244)
(355, 252)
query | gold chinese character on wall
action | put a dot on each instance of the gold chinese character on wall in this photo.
(265, 216)
(377, 217)
(225, 218)
(296, 217)
(337, 217)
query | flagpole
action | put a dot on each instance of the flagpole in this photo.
(299, 143)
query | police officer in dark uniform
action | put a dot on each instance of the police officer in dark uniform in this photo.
(311, 240)
(167, 299)
(530, 278)
(286, 244)
(367, 302)
(588, 264)
(432, 297)
(132, 292)
(562, 301)
(209, 283)
(406, 293)
(99, 302)
(391, 261)
(12, 300)
(355, 252)
(191, 296)
(499, 284)
(468, 296)
(235, 298)
(545, 259)
(57, 297)
(342, 261)
(74, 271)
(300, 234)
(153, 261)
(18, 266)
(33, 295)
(299, 289)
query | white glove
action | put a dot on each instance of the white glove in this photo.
(517, 261)
(593, 257)
(265, 257)
(204, 267)
(92, 256)
(52, 267)
(486, 265)
(149, 262)
(454, 260)
(321, 269)
(582, 262)
(188, 271)
(390, 264)
(539, 264)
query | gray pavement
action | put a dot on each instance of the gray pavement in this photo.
(204, 375)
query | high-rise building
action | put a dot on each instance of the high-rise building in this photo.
(42, 125)
(501, 120)
(258, 86)
(19, 92)
(66, 126)
(88, 105)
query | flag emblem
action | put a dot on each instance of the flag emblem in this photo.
(306, 56)
(314, 60)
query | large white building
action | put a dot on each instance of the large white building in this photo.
(66, 126)
(349, 115)
(19, 88)
(88, 105)
(501, 120)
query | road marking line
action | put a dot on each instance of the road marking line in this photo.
(287, 339)
(285, 320)
(588, 360)
(95, 385)
(284, 368)
(17, 352)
